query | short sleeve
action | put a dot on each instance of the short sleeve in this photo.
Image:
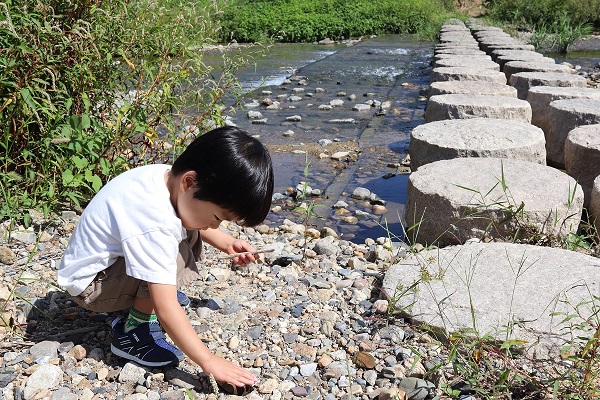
(152, 257)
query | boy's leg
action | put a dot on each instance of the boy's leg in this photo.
(112, 290)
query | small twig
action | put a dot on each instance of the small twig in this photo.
(74, 331)
(12, 345)
(234, 255)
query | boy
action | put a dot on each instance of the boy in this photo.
(140, 236)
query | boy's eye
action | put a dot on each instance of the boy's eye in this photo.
(217, 218)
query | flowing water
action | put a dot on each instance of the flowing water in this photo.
(393, 69)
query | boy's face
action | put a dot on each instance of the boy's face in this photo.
(197, 214)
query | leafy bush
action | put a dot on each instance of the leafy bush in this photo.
(312, 20)
(532, 14)
(89, 88)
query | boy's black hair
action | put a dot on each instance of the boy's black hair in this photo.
(233, 170)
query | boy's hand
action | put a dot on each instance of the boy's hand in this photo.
(239, 246)
(223, 370)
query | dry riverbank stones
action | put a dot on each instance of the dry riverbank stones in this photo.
(582, 157)
(563, 117)
(472, 87)
(461, 106)
(523, 81)
(500, 289)
(456, 200)
(477, 137)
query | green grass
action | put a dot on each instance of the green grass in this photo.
(313, 20)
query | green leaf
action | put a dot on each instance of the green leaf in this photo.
(67, 177)
(26, 95)
(80, 162)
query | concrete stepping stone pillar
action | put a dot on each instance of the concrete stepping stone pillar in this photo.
(476, 137)
(460, 50)
(466, 62)
(582, 157)
(472, 87)
(502, 60)
(475, 58)
(491, 48)
(540, 97)
(463, 106)
(441, 74)
(513, 67)
(516, 53)
(523, 81)
(498, 286)
(563, 117)
(455, 200)
(594, 208)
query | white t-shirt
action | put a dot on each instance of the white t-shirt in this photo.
(131, 217)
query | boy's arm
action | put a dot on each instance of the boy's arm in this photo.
(228, 244)
(176, 323)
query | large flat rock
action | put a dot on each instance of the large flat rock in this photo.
(466, 62)
(442, 74)
(523, 81)
(514, 67)
(507, 46)
(463, 198)
(527, 54)
(563, 117)
(477, 137)
(502, 60)
(540, 97)
(462, 106)
(509, 291)
(472, 87)
(582, 157)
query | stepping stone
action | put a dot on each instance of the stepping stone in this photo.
(540, 97)
(496, 286)
(523, 81)
(463, 198)
(466, 62)
(472, 87)
(563, 117)
(502, 60)
(594, 208)
(463, 106)
(460, 51)
(473, 57)
(516, 53)
(466, 74)
(477, 137)
(514, 67)
(491, 48)
(582, 157)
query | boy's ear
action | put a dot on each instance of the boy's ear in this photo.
(187, 181)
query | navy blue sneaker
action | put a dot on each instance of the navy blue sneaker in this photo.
(146, 345)
(183, 300)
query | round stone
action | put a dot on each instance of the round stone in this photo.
(526, 54)
(463, 106)
(582, 157)
(540, 97)
(466, 74)
(513, 67)
(502, 60)
(455, 200)
(523, 81)
(563, 117)
(466, 62)
(477, 137)
(472, 87)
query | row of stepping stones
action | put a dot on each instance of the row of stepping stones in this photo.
(492, 96)
(501, 123)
